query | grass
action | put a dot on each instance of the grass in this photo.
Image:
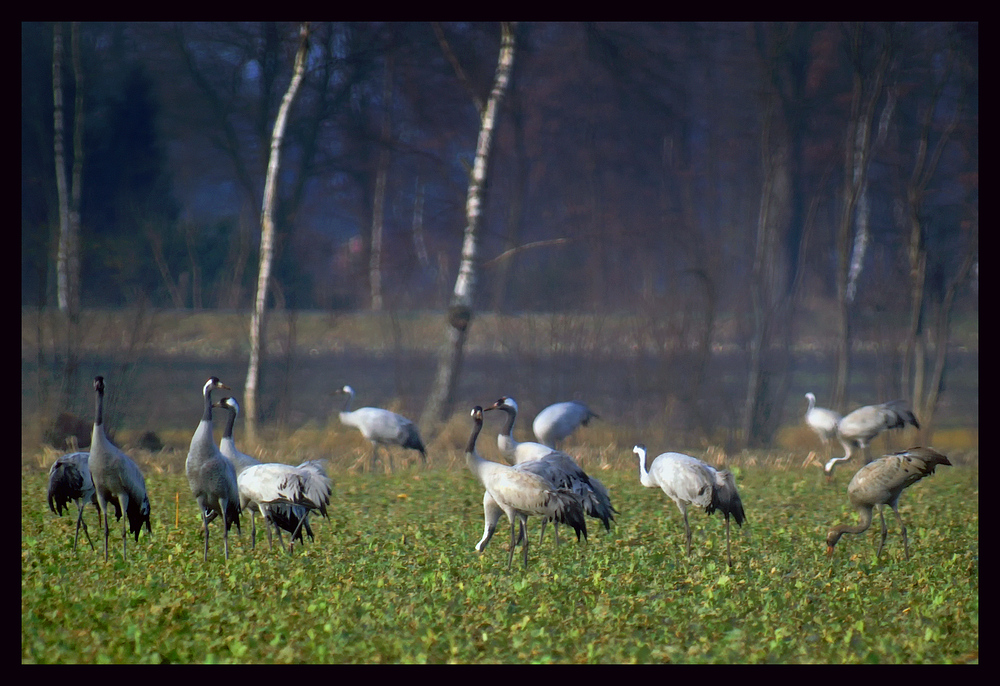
(393, 577)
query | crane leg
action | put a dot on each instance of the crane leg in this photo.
(297, 528)
(524, 534)
(729, 555)
(123, 499)
(902, 527)
(513, 541)
(881, 514)
(687, 533)
(253, 530)
(204, 519)
(545, 520)
(104, 510)
(79, 523)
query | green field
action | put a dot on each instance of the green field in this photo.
(393, 577)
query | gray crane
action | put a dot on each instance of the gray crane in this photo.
(881, 482)
(292, 517)
(520, 494)
(117, 480)
(858, 428)
(554, 465)
(688, 481)
(822, 421)
(211, 476)
(558, 421)
(69, 480)
(275, 486)
(381, 427)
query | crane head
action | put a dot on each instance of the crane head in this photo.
(99, 384)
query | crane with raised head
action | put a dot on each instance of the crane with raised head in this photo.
(688, 481)
(118, 482)
(822, 421)
(211, 476)
(286, 508)
(556, 422)
(881, 482)
(860, 427)
(381, 427)
(520, 494)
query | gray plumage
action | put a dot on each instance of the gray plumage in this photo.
(211, 476)
(881, 482)
(859, 428)
(117, 480)
(689, 481)
(822, 421)
(381, 427)
(556, 422)
(69, 480)
(519, 494)
(280, 512)
(554, 465)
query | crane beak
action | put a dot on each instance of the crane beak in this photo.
(222, 385)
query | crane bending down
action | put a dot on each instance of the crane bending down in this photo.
(286, 508)
(822, 421)
(381, 427)
(689, 481)
(554, 465)
(117, 480)
(211, 476)
(556, 422)
(520, 494)
(69, 479)
(881, 482)
(860, 427)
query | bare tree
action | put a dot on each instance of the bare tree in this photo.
(459, 315)
(257, 320)
(867, 89)
(68, 257)
(378, 208)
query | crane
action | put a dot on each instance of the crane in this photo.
(275, 486)
(822, 421)
(689, 481)
(211, 476)
(558, 421)
(858, 428)
(554, 465)
(117, 480)
(381, 427)
(69, 479)
(519, 494)
(881, 482)
(290, 516)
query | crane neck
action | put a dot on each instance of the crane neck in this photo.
(228, 432)
(347, 402)
(99, 406)
(865, 512)
(812, 403)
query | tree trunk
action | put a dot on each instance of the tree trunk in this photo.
(460, 309)
(257, 320)
(378, 208)
(68, 255)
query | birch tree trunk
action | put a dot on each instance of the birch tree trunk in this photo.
(257, 319)
(460, 308)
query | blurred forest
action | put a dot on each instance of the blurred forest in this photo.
(732, 183)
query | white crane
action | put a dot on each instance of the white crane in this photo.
(558, 421)
(554, 465)
(117, 480)
(822, 421)
(69, 479)
(283, 509)
(858, 428)
(689, 481)
(211, 476)
(881, 482)
(520, 494)
(381, 427)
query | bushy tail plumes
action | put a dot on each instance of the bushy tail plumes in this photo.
(569, 510)
(726, 498)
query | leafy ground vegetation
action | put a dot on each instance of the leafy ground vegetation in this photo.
(393, 577)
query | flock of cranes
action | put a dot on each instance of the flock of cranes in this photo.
(542, 481)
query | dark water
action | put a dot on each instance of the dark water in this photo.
(165, 391)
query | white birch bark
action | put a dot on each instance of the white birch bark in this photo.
(257, 320)
(460, 308)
